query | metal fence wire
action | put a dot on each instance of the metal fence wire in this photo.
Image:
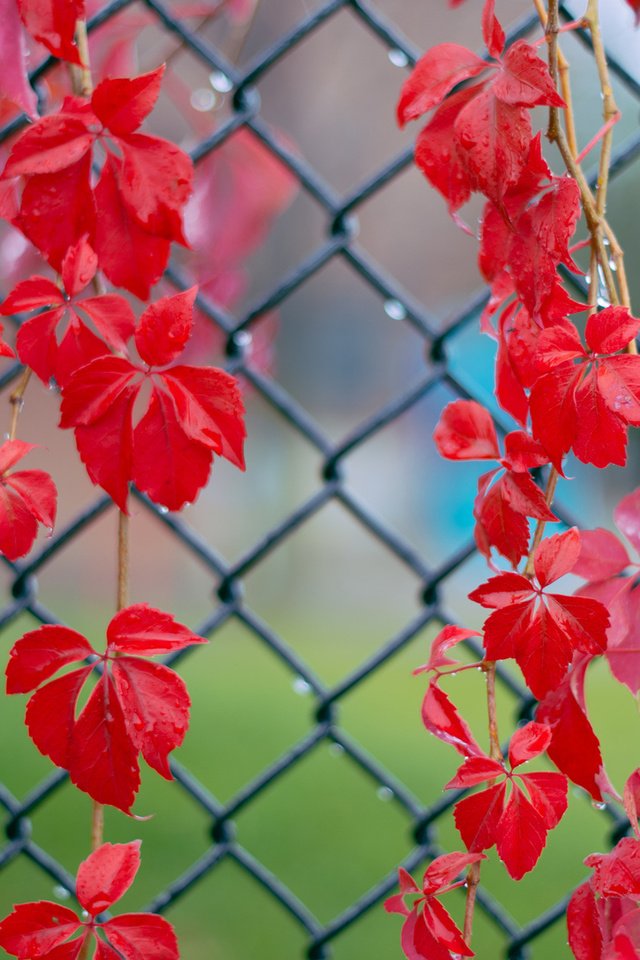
(225, 842)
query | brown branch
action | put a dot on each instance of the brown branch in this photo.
(16, 400)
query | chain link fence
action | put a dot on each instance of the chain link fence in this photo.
(420, 826)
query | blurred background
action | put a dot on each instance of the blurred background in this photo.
(338, 317)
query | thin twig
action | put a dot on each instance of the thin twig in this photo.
(16, 400)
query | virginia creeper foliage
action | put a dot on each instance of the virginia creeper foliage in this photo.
(569, 393)
(102, 203)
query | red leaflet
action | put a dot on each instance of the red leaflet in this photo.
(564, 711)
(602, 559)
(466, 432)
(487, 132)
(542, 631)
(191, 413)
(617, 874)
(517, 826)
(53, 24)
(140, 197)
(604, 388)
(439, 715)
(37, 343)
(27, 497)
(584, 923)
(136, 707)
(14, 81)
(42, 929)
(635, 6)
(429, 932)
(632, 800)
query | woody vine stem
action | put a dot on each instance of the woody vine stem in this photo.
(606, 257)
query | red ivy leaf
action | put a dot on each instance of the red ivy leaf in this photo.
(34, 929)
(27, 497)
(192, 413)
(14, 83)
(106, 875)
(136, 706)
(466, 431)
(121, 104)
(584, 924)
(53, 24)
(435, 75)
(541, 631)
(41, 929)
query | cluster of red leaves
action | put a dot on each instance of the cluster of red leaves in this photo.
(429, 932)
(190, 413)
(43, 929)
(136, 707)
(27, 497)
(603, 914)
(566, 397)
(517, 826)
(135, 210)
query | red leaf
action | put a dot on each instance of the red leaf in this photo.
(156, 707)
(142, 631)
(617, 874)
(601, 555)
(448, 637)
(627, 517)
(113, 318)
(478, 817)
(14, 83)
(611, 329)
(79, 267)
(122, 104)
(557, 556)
(418, 943)
(498, 525)
(466, 432)
(492, 31)
(632, 800)
(584, 924)
(57, 209)
(528, 742)
(102, 758)
(600, 436)
(476, 770)
(18, 526)
(521, 835)
(442, 871)
(130, 256)
(156, 180)
(635, 6)
(438, 154)
(441, 718)
(165, 326)
(167, 465)
(56, 699)
(106, 447)
(548, 794)
(53, 24)
(553, 410)
(563, 709)
(524, 79)
(495, 138)
(27, 497)
(210, 409)
(142, 936)
(50, 145)
(434, 76)
(441, 926)
(33, 929)
(40, 653)
(522, 452)
(106, 875)
(32, 294)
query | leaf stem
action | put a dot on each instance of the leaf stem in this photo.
(16, 400)
(123, 560)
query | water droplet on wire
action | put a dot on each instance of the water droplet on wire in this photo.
(395, 310)
(385, 794)
(220, 81)
(301, 687)
(398, 57)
